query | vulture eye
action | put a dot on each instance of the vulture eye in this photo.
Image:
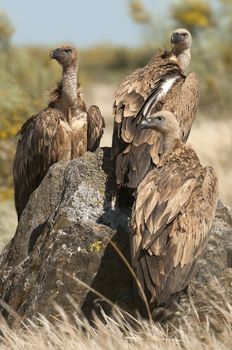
(159, 118)
(184, 34)
(67, 50)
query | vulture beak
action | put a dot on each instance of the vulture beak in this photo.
(54, 54)
(145, 124)
(174, 38)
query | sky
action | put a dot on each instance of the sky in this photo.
(81, 22)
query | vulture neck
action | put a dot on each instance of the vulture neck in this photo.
(69, 85)
(183, 58)
(168, 143)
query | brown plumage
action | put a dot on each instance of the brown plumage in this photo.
(172, 215)
(63, 130)
(161, 85)
(95, 128)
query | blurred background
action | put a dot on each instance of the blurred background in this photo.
(113, 38)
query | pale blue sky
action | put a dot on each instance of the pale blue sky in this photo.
(81, 22)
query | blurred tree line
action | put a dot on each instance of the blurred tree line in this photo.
(26, 72)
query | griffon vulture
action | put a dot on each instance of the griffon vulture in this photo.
(172, 214)
(65, 129)
(161, 85)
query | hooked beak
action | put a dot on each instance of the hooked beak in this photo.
(145, 124)
(175, 38)
(54, 54)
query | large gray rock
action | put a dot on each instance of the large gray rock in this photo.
(65, 231)
(65, 235)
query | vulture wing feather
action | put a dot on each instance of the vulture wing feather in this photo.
(160, 85)
(37, 137)
(95, 128)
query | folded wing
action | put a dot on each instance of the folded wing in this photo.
(159, 85)
(169, 230)
(43, 140)
(95, 128)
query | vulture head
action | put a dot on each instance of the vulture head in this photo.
(181, 39)
(65, 55)
(163, 121)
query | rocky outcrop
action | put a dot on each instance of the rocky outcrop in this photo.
(65, 233)
(69, 238)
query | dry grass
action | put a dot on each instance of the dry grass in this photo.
(8, 222)
(113, 333)
(212, 140)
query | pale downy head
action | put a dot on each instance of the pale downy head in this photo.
(65, 55)
(163, 121)
(181, 39)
